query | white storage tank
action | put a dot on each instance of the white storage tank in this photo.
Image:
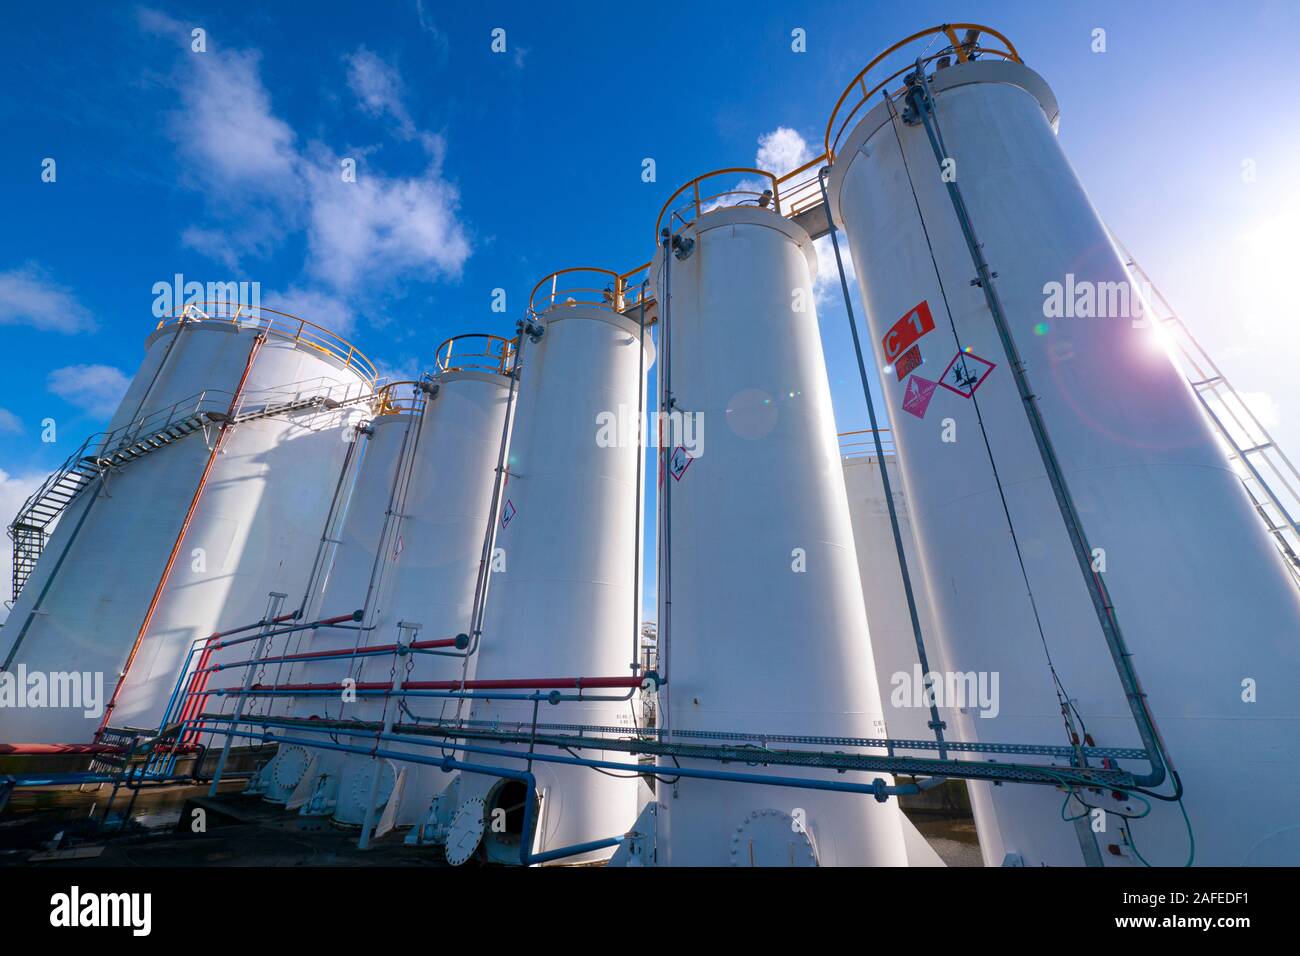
(103, 592)
(415, 561)
(1205, 605)
(565, 600)
(354, 567)
(893, 644)
(766, 634)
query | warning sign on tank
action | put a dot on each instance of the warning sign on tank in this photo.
(507, 512)
(917, 395)
(908, 362)
(965, 373)
(679, 462)
(907, 330)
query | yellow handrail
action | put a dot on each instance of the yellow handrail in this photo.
(303, 333)
(962, 50)
(476, 351)
(698, 202)
(388, 402)
(610, 291)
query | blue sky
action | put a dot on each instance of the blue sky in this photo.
(485, 170)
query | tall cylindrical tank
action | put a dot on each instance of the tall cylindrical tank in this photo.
(565, 599)
(413, 562)
(255, 520)
(766, 634)
(353, 567)
(893, 643)
(1206, 608)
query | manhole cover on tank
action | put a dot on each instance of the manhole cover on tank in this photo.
(289, 766)
(771, 838)
(465, 832)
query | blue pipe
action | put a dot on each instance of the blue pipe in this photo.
(877, 788)
(526, 855)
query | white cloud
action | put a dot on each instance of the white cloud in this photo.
(319, 308)
(159, 23)
(782, 150)
(361, 236)
(216, 244)
(97, 389)
(10, 424)
(378, 229)
(377, 86)
(28, 297)
(228, 125)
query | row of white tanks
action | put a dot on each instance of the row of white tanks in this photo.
(769, 555)
(257, 512)
(558, 529)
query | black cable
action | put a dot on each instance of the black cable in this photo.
(1062, 695)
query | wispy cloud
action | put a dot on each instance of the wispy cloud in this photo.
(29, 297)
(380, 229)
(96, 389)
(227, 126)
(364, 234)
(10, 424)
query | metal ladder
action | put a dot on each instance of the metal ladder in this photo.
(1269, 477)
(30, 530)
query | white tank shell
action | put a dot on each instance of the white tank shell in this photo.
(255, 531)
(418, 567)
(1186, 562)
(768, 634)
(567, 603)
(893, 644)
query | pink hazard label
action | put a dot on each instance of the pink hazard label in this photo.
(917, 395)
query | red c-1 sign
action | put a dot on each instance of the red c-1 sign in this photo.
(907, 330)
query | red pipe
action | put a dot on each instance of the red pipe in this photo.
(34, 749)
(356, 651)
(185, 527)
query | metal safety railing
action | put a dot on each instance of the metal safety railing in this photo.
(476, 351)
(586, 285)
(1268, 475)
(764, 192)
(399, 398)
(861, 443)
(962, 49)
(280, 325)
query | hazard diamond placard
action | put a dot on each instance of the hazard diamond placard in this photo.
(965, 373)
(917, 395)
(679, 462)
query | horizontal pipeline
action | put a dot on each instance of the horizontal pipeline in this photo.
(25, 750)
(460, 641)
(543, 683)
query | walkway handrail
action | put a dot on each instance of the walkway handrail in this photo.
(964, 50)
(279, 325)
